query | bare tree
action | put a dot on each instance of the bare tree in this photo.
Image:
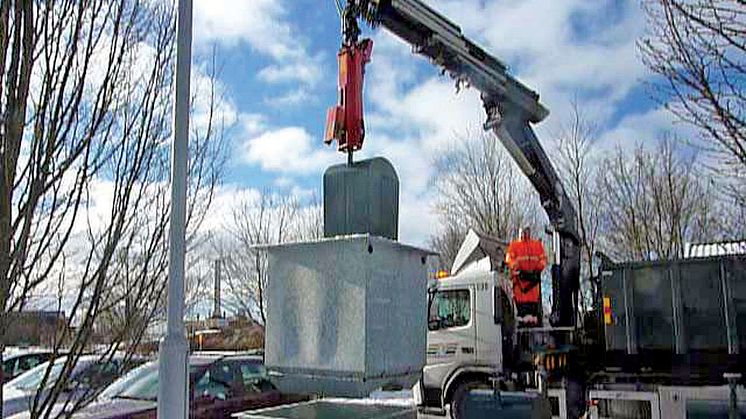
(577, 168)
(60, 130)
(448, 242)
(308, 223)
(84, 151)
(698, 47)
(269, 219)
(653, 202)
(199, 280)
(479, 186)
(264, 223)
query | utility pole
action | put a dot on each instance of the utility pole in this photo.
(173, 386)
(216, 309)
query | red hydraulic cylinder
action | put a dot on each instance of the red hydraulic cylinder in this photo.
(344, 122)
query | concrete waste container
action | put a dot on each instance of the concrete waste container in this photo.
(346, 315)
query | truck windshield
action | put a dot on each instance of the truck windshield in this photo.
(449, 308)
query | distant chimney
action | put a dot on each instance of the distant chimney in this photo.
(216, 312)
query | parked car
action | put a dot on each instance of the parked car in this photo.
(17, 363)
(89, 376)
(220, 385)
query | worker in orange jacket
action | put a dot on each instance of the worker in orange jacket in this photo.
(526, 260)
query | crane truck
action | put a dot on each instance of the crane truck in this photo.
(473, 341)
(666, 336)
(481, 345)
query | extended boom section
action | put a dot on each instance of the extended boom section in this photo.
(511, 109)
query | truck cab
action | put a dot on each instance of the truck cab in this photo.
(471, 325)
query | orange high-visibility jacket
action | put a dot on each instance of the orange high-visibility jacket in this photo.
(525, 256)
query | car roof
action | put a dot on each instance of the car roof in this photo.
(200, 361)
(206, 358)
(23, 355)
(26, 352)
(93, 358)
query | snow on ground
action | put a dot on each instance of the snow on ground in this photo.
(380, 398)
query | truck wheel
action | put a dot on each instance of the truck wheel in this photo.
(458, 405)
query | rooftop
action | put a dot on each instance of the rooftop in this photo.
(701, 250)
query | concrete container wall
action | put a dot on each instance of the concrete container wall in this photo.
(396, 310)
(351, 308)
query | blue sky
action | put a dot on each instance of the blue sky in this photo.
(277, 62)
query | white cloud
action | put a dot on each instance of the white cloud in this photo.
(307, 72)
(230, 198)
(432, 110)
(288, 185)
(227, 198)
(252, 123)
(417, 219)
(305, 195)
(539, 41)
(264, 25)
(284, 182)
(97, 214)
(289, 150)
(291, 98)
(210, 100)
(261, 23)
(646, 128)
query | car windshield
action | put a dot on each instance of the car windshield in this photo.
(128, 380)
(31, 379)
(144, 386)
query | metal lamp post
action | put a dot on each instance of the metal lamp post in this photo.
(173, 385)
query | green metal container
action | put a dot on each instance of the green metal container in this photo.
(681, 307)
(362, 198)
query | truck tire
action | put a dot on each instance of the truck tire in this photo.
(458, 407)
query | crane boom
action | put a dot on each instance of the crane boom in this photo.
(511, 108)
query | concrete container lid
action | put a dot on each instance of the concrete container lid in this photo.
(379, 164)
(351, 238)
(361, 198)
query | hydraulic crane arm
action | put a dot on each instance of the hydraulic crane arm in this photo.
(511, 109)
